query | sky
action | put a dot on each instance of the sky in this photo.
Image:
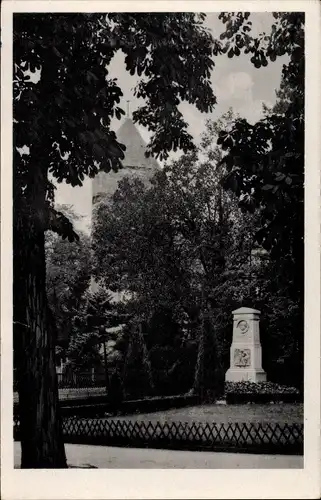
(237, 84)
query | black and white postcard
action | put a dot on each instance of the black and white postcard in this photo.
(160, 249)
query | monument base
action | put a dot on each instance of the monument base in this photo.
(250, 375)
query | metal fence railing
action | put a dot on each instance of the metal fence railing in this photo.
(80, 380)
(257, 438)
(75, 380)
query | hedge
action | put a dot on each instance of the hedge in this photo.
(260, 392)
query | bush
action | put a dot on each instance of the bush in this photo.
(260, 392)
(258, 388)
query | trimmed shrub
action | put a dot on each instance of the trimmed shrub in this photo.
(260, 392)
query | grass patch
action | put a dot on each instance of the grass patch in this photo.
(247, 413)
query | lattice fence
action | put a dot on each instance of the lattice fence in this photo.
(264, 438)
(80, 380)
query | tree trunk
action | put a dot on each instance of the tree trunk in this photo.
(208, 370)
(217, 386)
(137, 364)
(198, 385)
(145, 358)
(40, 424)
(106, 368)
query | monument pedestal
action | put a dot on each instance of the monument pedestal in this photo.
(246, 351)
(233, 375)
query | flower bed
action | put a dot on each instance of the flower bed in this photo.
(260, 392)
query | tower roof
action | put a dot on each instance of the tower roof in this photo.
(135, 147)
(135, 162)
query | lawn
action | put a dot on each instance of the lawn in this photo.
(247, 413)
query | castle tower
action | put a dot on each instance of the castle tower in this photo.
(135, 163)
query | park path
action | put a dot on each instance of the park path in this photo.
(104, 457)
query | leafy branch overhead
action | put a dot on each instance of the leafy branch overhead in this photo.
(60, 224)
(265, 161)
(66, 116)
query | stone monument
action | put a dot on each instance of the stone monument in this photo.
(246, 350)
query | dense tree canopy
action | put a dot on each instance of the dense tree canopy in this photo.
(68, 273)
(180, 246)
(96, 315)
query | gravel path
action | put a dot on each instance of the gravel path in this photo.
(102, 457)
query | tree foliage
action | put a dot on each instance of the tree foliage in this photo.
(68, 273)
(69, 110)
(265, 161)
(96, 315)
(179, 247)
